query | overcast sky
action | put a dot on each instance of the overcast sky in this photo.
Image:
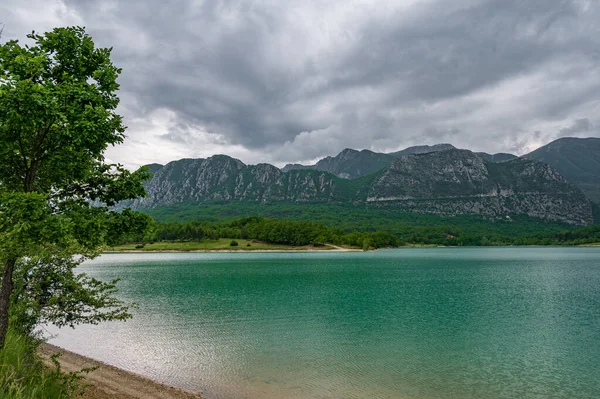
(292, 81)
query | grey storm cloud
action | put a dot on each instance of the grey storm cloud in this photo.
(579, 126)
(296, 80)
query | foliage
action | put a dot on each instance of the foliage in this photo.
(585, 235)
(48, 290)
(351, 218)
(233, 243)
(408, 228)
(23, 375)
(373, 230)
(207, 245)
(284, 232)
(57, 117)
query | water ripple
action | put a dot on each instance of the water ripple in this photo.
(426, 323)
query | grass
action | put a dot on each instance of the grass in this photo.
(215, 245)
(24, 376)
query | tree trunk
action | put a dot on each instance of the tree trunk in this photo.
(5, 291)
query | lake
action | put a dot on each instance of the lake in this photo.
(405, 323)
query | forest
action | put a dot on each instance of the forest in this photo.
(301, 232)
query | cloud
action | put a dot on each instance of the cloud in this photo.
(579, 126)
(293, 81)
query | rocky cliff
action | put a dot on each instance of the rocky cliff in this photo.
(451, 182)
(462, 182)
(348, 164)
(351, 164)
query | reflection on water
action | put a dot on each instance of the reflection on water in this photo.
(408, 323)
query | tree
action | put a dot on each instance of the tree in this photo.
(57, 117)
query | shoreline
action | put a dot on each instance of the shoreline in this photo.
(109, 382)
(134, 251)
(335, 249)
(329, 248)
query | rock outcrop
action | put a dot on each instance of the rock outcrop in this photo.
(451, 182)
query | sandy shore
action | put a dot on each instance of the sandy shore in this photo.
(111, 382)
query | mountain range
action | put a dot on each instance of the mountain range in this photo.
(350, 164)
(438, 179)
(577, 159)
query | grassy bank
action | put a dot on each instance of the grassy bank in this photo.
(222, 244)
(24, 376)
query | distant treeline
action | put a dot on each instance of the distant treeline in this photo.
(356, 218)
(274, 231)
(293, 232)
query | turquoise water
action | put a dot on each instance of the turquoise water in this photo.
(406, 323)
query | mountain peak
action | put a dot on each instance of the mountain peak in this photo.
(223, 157)
(423, 149)
(153, 167)
(348, 151)
(577, 159)
(351, 163)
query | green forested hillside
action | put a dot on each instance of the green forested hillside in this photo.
(371, 230)
(577, 159)
(406, 226)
